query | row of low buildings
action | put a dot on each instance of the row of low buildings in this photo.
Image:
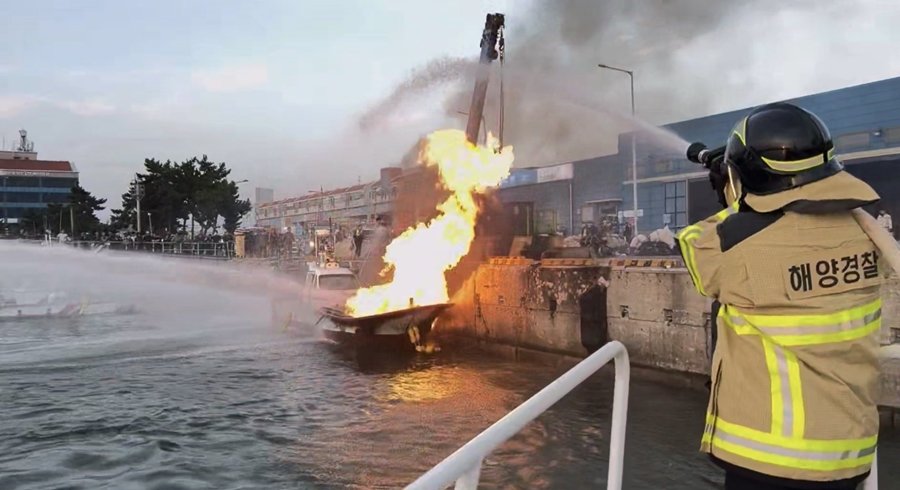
(28, 184)
(864, 121)
(346, 206)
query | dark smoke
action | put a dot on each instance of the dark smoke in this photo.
(690, 58)
(559, 106)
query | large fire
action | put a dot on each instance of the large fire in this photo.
(422, 254)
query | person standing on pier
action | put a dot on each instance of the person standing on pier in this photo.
(795, 369)
(358, 240)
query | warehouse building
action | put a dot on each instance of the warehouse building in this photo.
(864, 121)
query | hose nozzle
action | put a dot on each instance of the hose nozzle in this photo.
(699, 153)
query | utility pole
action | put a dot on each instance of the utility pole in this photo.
(633, 146)
(137, 200)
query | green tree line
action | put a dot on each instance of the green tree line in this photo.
(174, 197)
(178, 196)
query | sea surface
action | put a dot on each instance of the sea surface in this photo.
(227, 402)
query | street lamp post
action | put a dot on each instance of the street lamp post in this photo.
(137, 198)
(633, 147)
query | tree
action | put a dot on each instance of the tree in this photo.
(196, 189)
(233, 208)
(32, 222)
(84, 205)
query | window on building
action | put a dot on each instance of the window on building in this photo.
(331, 200)
(17, 212)
(676, 205)
(851, 141)
(58, 182)
(891, 135)
(56, 197)
(546, 221)
(23, 182)
(34, 197)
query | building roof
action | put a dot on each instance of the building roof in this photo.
(864, 107)
(319, 195)
(36, 165)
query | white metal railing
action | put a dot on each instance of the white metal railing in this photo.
(464, 465)
(871, 482)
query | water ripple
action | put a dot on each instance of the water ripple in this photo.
(116, 409)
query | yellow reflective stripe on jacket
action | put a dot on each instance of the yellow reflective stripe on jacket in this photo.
(721, 215)
(780, 332)
(795, 330)
(788, 413)
(685, 239)
(689, 234)
(811, 454)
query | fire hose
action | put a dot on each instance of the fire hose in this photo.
(713, 160)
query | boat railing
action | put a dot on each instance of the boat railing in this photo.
(464, 466)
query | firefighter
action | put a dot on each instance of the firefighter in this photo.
(795, 369)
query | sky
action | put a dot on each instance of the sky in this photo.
(276, 88)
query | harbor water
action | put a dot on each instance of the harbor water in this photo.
(199, 390)
(129, 402)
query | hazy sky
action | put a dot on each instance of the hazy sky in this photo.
(106, 83)
(274, 87)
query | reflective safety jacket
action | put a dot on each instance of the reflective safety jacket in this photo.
(795, 370)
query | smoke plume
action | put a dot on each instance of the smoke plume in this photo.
(690, 58)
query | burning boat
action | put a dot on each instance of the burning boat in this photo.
(417, 260)
(409, 327)
(327, 285)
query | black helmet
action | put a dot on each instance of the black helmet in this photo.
(780, 146)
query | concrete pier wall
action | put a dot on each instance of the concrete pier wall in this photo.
(570, 308)
(553, 309)
(659, 317)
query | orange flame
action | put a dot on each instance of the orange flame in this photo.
(422, 254)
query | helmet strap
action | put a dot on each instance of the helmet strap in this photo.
(733, 189)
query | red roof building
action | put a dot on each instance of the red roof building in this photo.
(29, 185)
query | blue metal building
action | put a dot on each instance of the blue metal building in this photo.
(31, 185)
(864, 121)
